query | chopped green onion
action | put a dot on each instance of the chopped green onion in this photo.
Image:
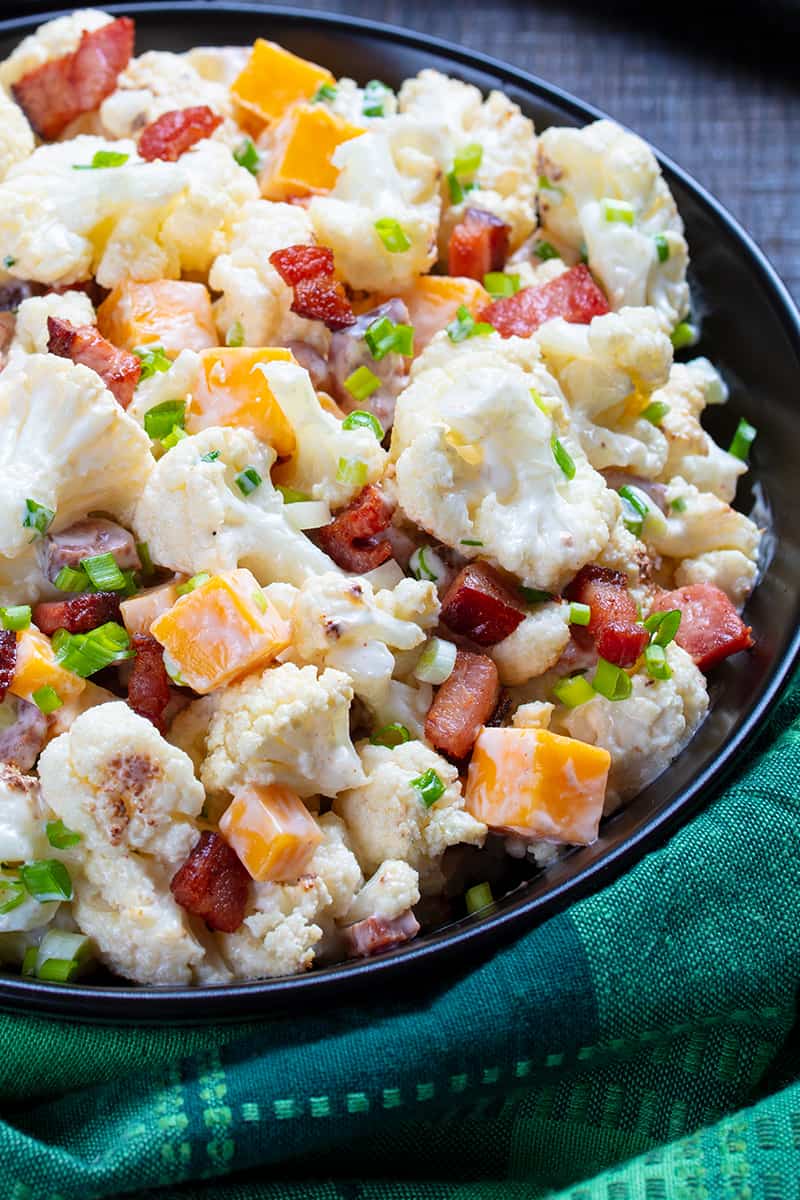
(247, 156)
(177, 434)
(172, 669)
(662, 247)
(235, 335)
(468, 159)
(160, 420)
(29, 960)
(104, 573)
(662, 626)
(470, 542)
(573, 691)
(37, 517)
(540, 402)
(436, 662)
(383, 337)
(291, 495)
(153, 359)
(583, 257)
(656, 411)
(546, 186)
(86, 653)
(260, 600)
(196, 581)
(12, 894)
(59, 837)
(325, 92)
(655, 662)
(212, 456)
(17, 617)
(419, 566)
(248, 480)
(683, 335)
(635, 508)
(375, 94)
(61, 955)
(47, 879)
(47, 699)
(562, 458)
(362, 383)
(429, 786)
(579, 614)
(9, 261)
(143, 550)
(498, 284)
(130, 585)
(678, 504)
(545, 251)
(352, 471)
(534, 595)
(359, 419)
(454, 187)
(391, 735)
(742, 440)
(392, 234)
(70, 580)
(618, 210)
(611, 681)
(102, 159)
(465, 326)
(478, 897)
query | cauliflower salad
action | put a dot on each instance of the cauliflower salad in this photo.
(360, 538)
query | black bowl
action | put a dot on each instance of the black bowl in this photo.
(750, 329)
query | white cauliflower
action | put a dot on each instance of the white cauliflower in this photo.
(476, 462)
(349, 103)
(608, 371)
(388, 173)
(691, 452)
(218, 64)
(52, 40)
(645, 732)
(505, 181)
(535, 645)
(322, 443)
(22, 817)
(392, 890)
(591, 170)
(334, 861)
(31, 334)
(625, 553)
(133, 798)
(387, 818)
(286, 725)
(16, 135)
(212, 526)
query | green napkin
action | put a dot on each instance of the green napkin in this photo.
(605, 1054)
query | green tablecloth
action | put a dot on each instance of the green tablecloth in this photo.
(637, 1047)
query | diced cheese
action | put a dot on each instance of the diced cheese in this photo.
(274, 79)
(272, 832)
(220, 631)
(538, 784)
(139, 612)
(433, 301)
(173, 313)
(231, 390)
(37, 668)
(300, 162)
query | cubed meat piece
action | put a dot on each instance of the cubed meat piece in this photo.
(175, 132)
(79, 614)
(86, 539)
(613, 626)
(356, 539)
(213, 884)
(478, 245)
(463, 704)
(375, 934)
(118, 369)
(308, 270)
(574, 296)
(8, 660)
(710, 628)
(148, 684)
(479, 605)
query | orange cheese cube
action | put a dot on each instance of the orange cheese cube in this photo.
(139, 612)
(37, 668)
(433, 301)
(304, 142)
(274, 78)
(220, 631)
(173, 313)
(538, 784)
(272, 832)
(231, 390)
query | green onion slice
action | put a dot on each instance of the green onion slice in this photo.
(655, 662)
(662, 626)
(9, 261)
(498, 284)
(47, 699)
(248, 480)
(70, 580)
(375, 96)
(247, 156)
(17, 617)
(478, 897)
(102, 159)
(291, 495)
(391, 735)
(618, 210)
(362, 383)
(573, 691)
(153, 359)
(742, 440)
(635, 508)
(359, 419)
(235, 335)
(436, 662)
(143, 550)
(429, 786)
(468, 159)
(392, 234)
(196, 581)
(86, 653)
(352, 471)
(534, 595)
(160, 420)
(325, 92)
(421, 568)
(104, 573)
(545, 251)
(662, 247)
(47, 879)
(611, 681)
(465, 326)
(212, 456)
(37, 517)
(383, 337)
(678, 504)
(546, 186)
(60, 837)
(656, 411)
(454, 187)
(176, 434)
(579, 614)
(683, 335)
(562, 458)
(12, 894)
(61, 955)
(29, 960)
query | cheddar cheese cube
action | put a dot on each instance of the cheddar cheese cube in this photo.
(37, 668)
(273, 79)
(272, 832)
(139, 611)
(302, 147)
(538, 784)
(434, 300)
(220, 631)
(172, 313)
(232, 390)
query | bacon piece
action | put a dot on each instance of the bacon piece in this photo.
(118, 369)
(574, 296)
(296, 263)
(479, 605)
(175, 132)
(148, 685)
(8, 660)
(356, 539)
(478, 244)
(213, 884)
(308, 270)
(86, 539)
(613, 625)
(463, 704)
(374, 934)
(58, 91)
(21, 742)
(79, 614)
(710, 628)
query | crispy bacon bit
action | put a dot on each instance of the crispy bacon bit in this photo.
(356, 539)
(78, 615)
(58, 91)
(8, 660)
(213, 884)
(463, 704)
(374, 934)
(710, 628)
(148, 685)
(118, 369)
(613, 626)
(574, 296)
(308, 270)
(478, 244)
(175, 132)
(479, 605)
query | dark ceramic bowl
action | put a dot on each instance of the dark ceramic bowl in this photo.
(750, 329)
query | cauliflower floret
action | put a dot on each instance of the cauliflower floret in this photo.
(626, 554)
(349, 103)
(645, 732)
(392, 890)
(387, 819)
(211, 525)
(218, 64)
(286, 725)
(253, 294)
(279, 935)
(392, 173)
(322, 442)
(334, 861)
(52, 40)
(608, 370)
(535, 645)
(22, 836)
(505, 181)
(31, 335)
(133, 798)
(475, 462)
(16, 135)
(591, 169)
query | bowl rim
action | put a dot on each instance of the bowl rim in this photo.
(237, 1001)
